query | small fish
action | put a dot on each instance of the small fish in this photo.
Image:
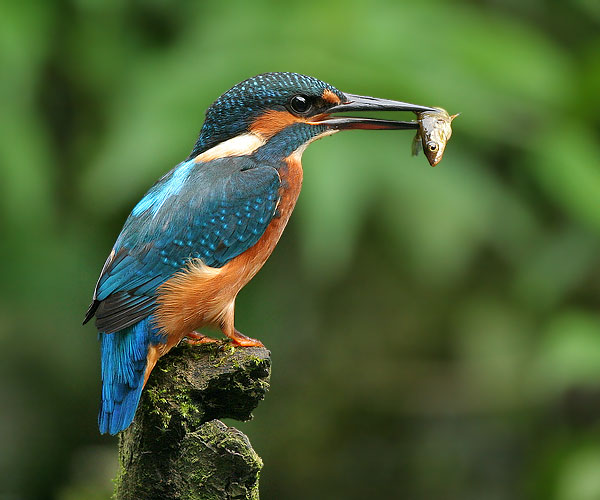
(434, 132)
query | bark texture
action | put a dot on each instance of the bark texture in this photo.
(176, 448)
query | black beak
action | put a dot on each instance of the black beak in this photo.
(365, 103)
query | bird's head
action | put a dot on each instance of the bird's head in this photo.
(293, 110)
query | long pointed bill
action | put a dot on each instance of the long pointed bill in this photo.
(365, 103)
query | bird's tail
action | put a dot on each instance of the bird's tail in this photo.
(124, 359)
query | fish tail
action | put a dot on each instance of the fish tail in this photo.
(416, 144)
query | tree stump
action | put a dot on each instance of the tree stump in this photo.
(176, 448)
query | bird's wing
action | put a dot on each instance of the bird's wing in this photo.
(213, 211)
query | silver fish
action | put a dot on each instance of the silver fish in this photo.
(434, 132)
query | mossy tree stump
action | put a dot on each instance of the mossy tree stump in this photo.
(175, 447)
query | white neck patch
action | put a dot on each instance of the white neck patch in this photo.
(240, 145)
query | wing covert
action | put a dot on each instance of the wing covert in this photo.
(214, 212)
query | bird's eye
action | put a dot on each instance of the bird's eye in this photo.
(300, 104)
(432, 146)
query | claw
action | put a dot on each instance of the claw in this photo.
(195, 338)
(240, 339)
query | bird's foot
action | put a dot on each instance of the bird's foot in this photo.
(195, 338)
(240, 339)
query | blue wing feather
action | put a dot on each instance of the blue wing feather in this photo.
(213, 211)
(123, 366)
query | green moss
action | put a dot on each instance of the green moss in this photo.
(171, 437)
(120, 476)
(223, 354)
(159, 404)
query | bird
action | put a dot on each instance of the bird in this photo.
(205, 228)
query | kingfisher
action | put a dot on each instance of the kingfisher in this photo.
(206, 227)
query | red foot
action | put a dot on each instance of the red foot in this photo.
(195, 338)
(240, 339)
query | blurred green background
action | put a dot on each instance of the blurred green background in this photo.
(435, 333)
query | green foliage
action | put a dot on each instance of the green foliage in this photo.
(436, 329)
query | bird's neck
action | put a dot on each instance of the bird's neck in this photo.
(291, 141)
(211, 136)
(241, 145)
(288, 143)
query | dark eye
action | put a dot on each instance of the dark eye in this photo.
(300, 104)
(432, 146)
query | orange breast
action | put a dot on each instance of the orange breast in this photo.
(246, 265)
(202, 295)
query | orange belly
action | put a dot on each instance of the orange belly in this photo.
(201, 295)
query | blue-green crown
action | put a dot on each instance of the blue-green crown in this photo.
(233, 112)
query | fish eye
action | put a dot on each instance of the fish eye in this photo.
(300, 104)
(432, 146)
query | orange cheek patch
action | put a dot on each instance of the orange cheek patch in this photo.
(272, 122)
(330, 97)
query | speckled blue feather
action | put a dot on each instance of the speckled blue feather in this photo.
(213, 211)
